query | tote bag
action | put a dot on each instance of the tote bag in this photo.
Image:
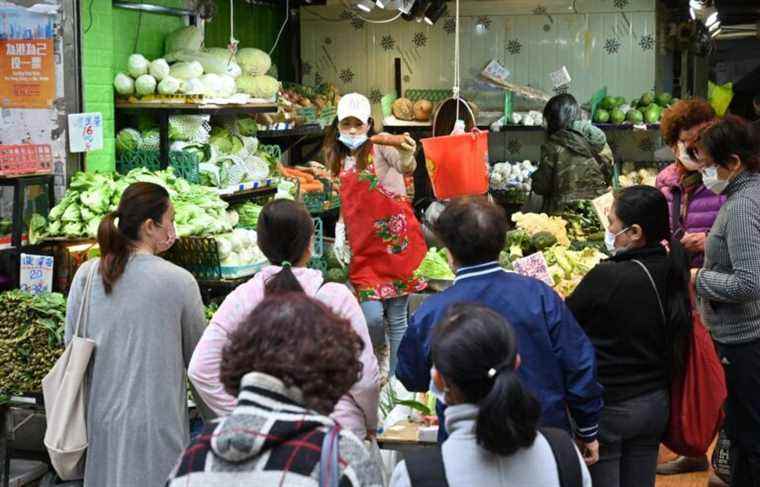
(696, 399)
(457, 164)
(64, 392)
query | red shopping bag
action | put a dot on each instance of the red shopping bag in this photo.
(696, 401)
(457, 164)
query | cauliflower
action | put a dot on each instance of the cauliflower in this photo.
(534, 223)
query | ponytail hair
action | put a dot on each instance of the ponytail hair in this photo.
(475, 350)
(285, 231)
(119, 230)
(647, 207)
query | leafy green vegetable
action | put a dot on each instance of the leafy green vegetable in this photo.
(337, 275)
(249, 214)
(253, 62)
(127, 140)
(189, 38)
(37, 226)
(435, 265)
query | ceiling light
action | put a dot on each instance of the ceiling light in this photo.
(419, 8)
(711, 19)
(405, 6)
(435, 12)
(716, 33)
(380, 3)
(714, 27)
(365, 6)
(693, 13)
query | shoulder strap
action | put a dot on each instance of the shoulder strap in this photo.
(566, 456)
(84, 311)
(654, 286)
(675, 210)
(425, 467)
(329, 460)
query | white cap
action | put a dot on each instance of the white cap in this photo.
(354, 105)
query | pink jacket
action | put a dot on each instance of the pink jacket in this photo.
(357, 410)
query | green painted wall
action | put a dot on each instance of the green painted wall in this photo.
(255, 26)
(106, 47)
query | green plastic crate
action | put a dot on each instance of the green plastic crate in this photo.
(185, 164)
(434, 96)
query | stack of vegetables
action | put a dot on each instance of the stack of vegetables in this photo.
(239, 248)
(297, 101)
(198, 210)
(248, 215)
(512, 181)
(187, 68)
(336, 272)
(633, 176)
(646, 109)
(228, 153)
(583, 225)
(548, 234)
(31, 339)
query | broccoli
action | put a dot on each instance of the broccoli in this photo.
(543, 240)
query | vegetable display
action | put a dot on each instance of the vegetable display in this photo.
(512, 175)
(198, 210)
(31, 339)
(632, 176)
(535, 223)
(646, 109)
(239, 248)
(567, 267)
(248, 213)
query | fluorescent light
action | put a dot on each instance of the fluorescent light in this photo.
(365, 6)
(435, 12)
(716, 33)
(711, 19)
(714, 27)
(693, 13)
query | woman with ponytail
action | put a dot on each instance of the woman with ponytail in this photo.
(636, 310)
(285, 235)
(145, 317)
(491, 418)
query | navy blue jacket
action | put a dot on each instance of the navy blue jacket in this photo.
(558, 359)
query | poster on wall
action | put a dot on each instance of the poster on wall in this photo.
(27, 60)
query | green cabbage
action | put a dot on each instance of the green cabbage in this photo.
(123, 84)
(246, 126)
(37, 228)
(189, 38)
(169, 85)
(137, 65)
(145, 85)
(127, 140)
(159, 69)
(253, 62)
(263, 86)
(248, 214)
(186, 70)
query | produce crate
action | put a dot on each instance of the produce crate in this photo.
(185, 164)
(16, 160)
(200, 257)
(322, 201)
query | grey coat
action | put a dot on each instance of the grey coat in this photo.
(145, 332)
(728, 287)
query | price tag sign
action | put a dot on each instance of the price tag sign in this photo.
(36, 273)
(603, 205)
(534, 266)
(85, 132)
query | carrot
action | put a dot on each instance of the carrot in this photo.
(385, 139)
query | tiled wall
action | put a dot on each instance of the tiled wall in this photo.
(107, 44)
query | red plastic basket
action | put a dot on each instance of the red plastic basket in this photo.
(25, 159)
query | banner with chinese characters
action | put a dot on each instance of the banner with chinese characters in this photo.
(27, 59)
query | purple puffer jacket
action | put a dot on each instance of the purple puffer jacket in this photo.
(702, 209)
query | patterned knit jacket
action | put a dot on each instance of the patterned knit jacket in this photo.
(271, 440)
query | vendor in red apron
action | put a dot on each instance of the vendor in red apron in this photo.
(378, 233)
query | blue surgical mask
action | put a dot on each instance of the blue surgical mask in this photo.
(609, 240)
(711, 180)
(433, 389)
(353, 142)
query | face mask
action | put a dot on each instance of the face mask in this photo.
(685, 159)
(353, 142)
(609, 240)
(171, 237)
(711, 180)
(433, 389)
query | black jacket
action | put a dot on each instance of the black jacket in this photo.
(617, 307)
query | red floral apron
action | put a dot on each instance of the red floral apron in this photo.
(386, 241)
